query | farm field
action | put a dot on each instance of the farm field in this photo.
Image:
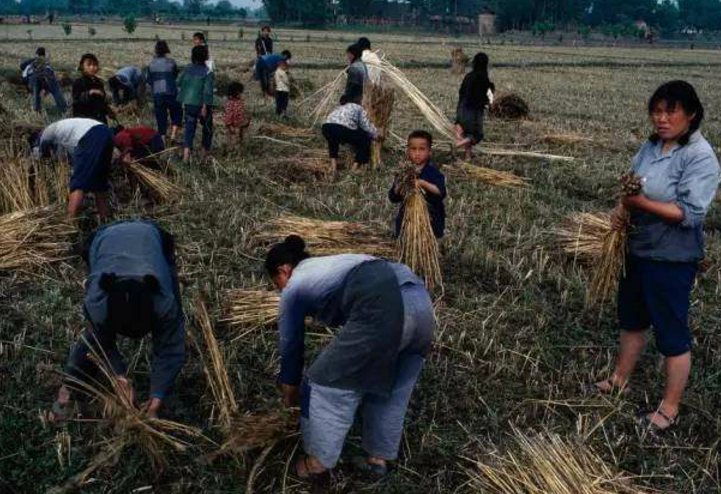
(514, 343)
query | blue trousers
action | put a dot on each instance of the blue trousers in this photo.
(192, 117)
(49, 83)
(167, 105)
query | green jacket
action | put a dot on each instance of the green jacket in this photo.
(195, 86)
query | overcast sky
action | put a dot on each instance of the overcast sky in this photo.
(253, 4)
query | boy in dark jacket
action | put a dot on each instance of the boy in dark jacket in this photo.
(430, 179)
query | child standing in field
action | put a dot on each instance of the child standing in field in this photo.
(282, 88)
(162, 75)
(236, 116)
(430, 179)
(349, 124)
(474, 96)
(199, 39)
(89, 99)
(196, 85)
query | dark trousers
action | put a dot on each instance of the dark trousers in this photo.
(164, 105)
(263, 75)
(337, 134)
(123, 95)
(281, 102)
(50, 84)
(192, 117)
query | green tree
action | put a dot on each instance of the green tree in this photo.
(702, 14)
(67, 28)
(130, 24)
(224, 8)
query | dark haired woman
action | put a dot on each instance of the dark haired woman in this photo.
(357, 75)
(196, 86)
(680, 174)
(373, 363)
(473, 98)
(348, 123)
(89, 99)
(162, 74)
(132, 291)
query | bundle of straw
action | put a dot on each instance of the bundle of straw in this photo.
(251, 309)
(378, 101)
(29, 184)
(582, 236)
(329, 96)
(417, 245)
(34, 238)
(156, 182)
(487, 175)
(510, 107)
(214, 368)
(459, 60)
(330, 237)
(547, 463)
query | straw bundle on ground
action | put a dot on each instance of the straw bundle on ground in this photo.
(29, 184)
(34, 238)
(330, 237)
(214, 368)
(157, 183)
(278, 129)
(549, 464)
(509, 107)
(486, 175)
(251, 309)
(378, 101)
(459, 60)
(417, 245)
(582, 236)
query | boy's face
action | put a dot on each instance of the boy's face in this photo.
(197, 41)
(90, 67)
(266, 33)
(419, 151)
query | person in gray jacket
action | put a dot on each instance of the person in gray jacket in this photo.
(127, 84)
(132, 291)
(680, 175)
(357, 75)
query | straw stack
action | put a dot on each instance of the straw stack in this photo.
(582, 236)
(34, 238)
(157, 183)
(300, 167)
(330, 237)
(378, 101)
(510, 107)
(251, 309)
(417, 245)
(548, 463)
(459, 60)
(486, 175)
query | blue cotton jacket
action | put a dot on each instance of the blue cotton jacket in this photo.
(436, 208)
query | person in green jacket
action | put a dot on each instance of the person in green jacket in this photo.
(195, 93)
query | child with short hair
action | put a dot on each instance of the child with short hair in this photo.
(282, 88)
(236, 116)
(430, 179)
(196, 85)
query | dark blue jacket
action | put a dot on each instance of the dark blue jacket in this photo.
(436, 208)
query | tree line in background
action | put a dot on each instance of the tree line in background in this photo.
(184, 8)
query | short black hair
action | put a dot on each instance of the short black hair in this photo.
(199, 55)
(290, 251)
(130, 304)
(356, 51)
(161, 48)
(265, 28)
(88, 57)
(364, 43)
(40, 52)
(235, 89)
(676, 93)
(421, 134)
(344, 100)
(200, 35)
(115, 83)
(286, 54)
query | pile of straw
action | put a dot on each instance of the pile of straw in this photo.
(29, 184)
(582, 236)
(34, 238)
(299, 167)
(417, 245)
(155, 182)
(510, 107)
(487, 175)
(251, 309)
(547, 463)
(378, 101)
(330, 237)
(459, 60)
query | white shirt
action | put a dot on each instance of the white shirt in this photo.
(66, 134)
(282, 81)
(372, 61)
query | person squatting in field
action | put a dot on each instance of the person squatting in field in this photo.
(386, 318)
(348, 123)
(139, 144)
(430, 179)
(680, 174)
(475, 94)
(132, 291)
(88, 145)
(236, 117)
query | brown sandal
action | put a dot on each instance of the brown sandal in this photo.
(646, 421)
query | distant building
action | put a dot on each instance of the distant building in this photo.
(487, 24)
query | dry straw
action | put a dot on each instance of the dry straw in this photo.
(582, 236)
(510, 107)
(282, 130)
(330, 237)
(417, 245)
(378, 102)
(459, 60)
(548, 463)
(487, 175)
(158, 183)
(34, 238)
(307, 166)
(248, 310)
(608, 269)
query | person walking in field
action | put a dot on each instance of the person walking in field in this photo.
(236, 117)
(475, 95)
(132, 291)
(282, 88)
(127, 85)
(357, 75)
(680, 174)
(89, 97)
(430, 179)
(349, 124)
(196, 86)
(386, 318)
(40, 79)
(162, 75)
(89, 147)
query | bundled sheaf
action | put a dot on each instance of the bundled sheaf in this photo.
(548, 464)
(459, 60)
(248, 310)
(331, 237)
(417, 245)
(28, 184)
(582, 236)
(34, 238)
(155, 181)
(307, 166)
(378, 102)
(486, 175)
(510, 106)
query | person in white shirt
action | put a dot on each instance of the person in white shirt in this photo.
(89, 147)
(371, 59)
(282, 88)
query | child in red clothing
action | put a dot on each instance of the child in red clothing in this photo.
(236, 117)
(138, 144)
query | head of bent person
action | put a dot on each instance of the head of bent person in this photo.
(283, 258)
(130, 304)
